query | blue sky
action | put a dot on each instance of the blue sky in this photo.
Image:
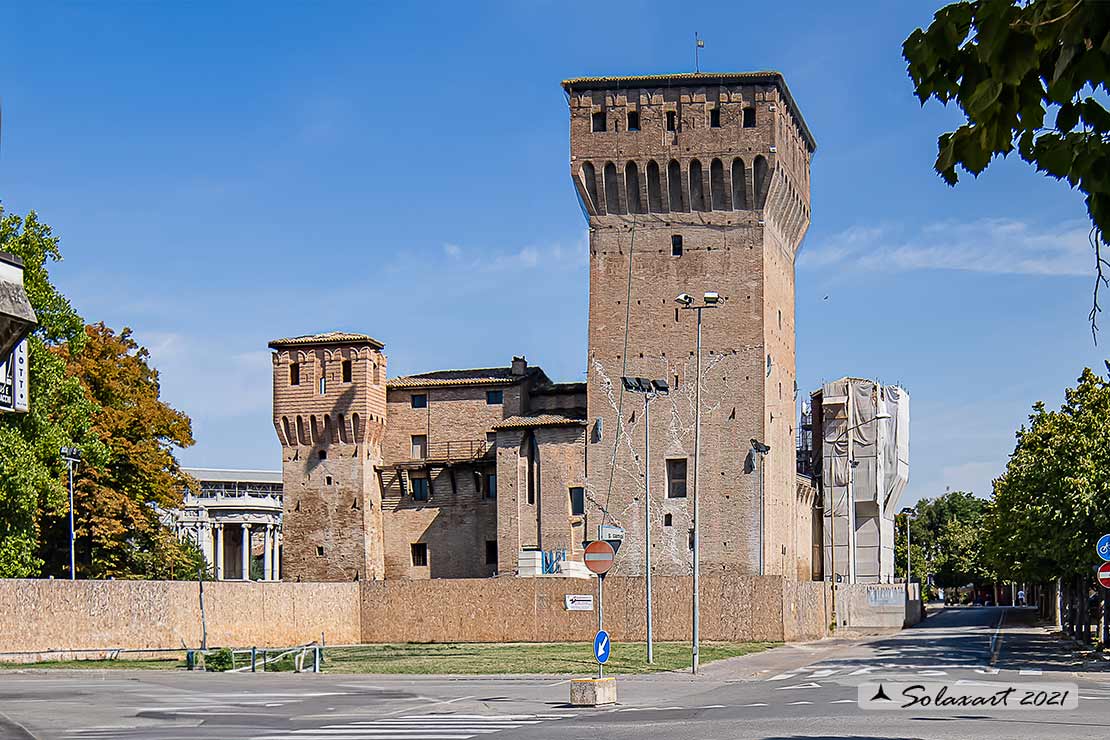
(221, 176)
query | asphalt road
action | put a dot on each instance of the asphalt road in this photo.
(796, 691)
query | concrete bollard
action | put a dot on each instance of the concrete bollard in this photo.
(592, 692)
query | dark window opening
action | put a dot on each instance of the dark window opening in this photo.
(419, 401)
(633, 120)
(599, 123)
(491, 552)
(672, 120)
(419, 554)
(319, 551)
(295, 373)
(327, 480)
(749, 118)
(495, 397)
(419, 489)
(322, 454)
(577, 501)
(714, 117)
(347, 373)
(676, 245)
(533, 462)
(667, 520)
(676, 478)
(490, 490)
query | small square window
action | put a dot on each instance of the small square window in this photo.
(347, 371)
(599, 122)
(749, 118)
(667, 520)
(419, 446)
(419, 401)
(676, 478)
(672, 120)
(577, 501)
(419, 554)
(319, 551)
(714, 117)
(327, 480)
(491, 552)
(419, 489)
(676, 245)
(322, 454)
(295, 373)
(633, 120)
(495, 397)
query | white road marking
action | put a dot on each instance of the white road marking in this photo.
(796, 703)
(862, 671)
(781, 676)
(757, 704)
(810, 685)
(824, 672)
(932, 673)
(416, 727)
(1029, 672)
(987, 671)
(843, 701)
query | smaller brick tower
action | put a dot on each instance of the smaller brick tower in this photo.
(329, 414)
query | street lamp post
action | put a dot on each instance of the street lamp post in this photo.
(649, 389)
(685, 300)
(760, 450)
(72, 456)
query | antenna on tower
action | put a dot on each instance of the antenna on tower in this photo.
(698, 45)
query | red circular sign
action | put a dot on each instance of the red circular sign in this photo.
(599, 556)
(1104, 575)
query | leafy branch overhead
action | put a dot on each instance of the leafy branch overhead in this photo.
(1008, 66)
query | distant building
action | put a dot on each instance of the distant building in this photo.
(234, 517)
(17, 319)
(860, 461)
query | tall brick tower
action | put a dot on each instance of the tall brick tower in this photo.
(329, 413)
(693, 183)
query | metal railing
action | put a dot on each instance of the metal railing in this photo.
(454, 449)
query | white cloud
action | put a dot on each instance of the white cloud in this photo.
(531, 257)
(1003, 246)
(452, 250)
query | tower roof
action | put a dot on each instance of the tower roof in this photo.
(326, 339)
(769, 77)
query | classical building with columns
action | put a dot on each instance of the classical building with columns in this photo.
(234, 517)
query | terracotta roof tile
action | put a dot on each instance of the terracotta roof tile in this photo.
(328, 337)
(539, 420)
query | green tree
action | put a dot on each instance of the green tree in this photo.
(1008, 65)
(31, 471)
(118, 499)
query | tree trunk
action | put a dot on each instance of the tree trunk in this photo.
(1084, 621)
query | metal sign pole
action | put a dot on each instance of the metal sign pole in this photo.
(647, 522)
(600, 618)
(697, 538)
(72, 535)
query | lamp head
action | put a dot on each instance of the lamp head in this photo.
(684, 299)
(712, 297)
(883, 415)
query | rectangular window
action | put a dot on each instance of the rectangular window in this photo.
(419, 489)
(491, 440)
(672, 120)
(346, 371)
(295, 373)
(319, 551)
(491, 485)
(495, 397)
(491, 552)
(676, 245)
(676, 478)
(419, 554)
(419, 446)
(577, 501)
(714, 117)
(599, 122)
(323, 386)
(749, 118)
(633, 120)
(419, 401)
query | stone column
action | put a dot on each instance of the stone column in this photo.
(218, 565)
(246, 551)
(277, 554)
(267, 554)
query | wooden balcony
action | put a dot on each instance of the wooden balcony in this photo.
(455, 450)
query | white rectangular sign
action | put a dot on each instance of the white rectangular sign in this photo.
(579, 602)
(13, 380)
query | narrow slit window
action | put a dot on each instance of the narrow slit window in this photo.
(714, 117)
(347, 371)
(633, 120)
(672, 120)
(295, 373)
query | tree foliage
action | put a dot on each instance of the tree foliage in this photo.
(948, 533)
(1008, 65)
(31, 471)
(1053, 501)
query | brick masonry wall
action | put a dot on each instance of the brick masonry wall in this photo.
(37, 615)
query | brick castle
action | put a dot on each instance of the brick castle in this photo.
(692, 183)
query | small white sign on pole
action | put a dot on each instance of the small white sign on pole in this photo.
(579, 602)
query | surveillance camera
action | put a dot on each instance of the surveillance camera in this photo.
(684, 299)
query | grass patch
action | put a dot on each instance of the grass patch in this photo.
(152, 664)
(548, 658)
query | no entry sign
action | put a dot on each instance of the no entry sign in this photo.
(1104, 575)
(599, 557)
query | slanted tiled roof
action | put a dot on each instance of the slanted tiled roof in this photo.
(539, 420)
(769, 77)
(328, 337)
(476, 376)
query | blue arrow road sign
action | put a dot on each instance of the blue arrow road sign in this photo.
(602, 646)
(1104, 547)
